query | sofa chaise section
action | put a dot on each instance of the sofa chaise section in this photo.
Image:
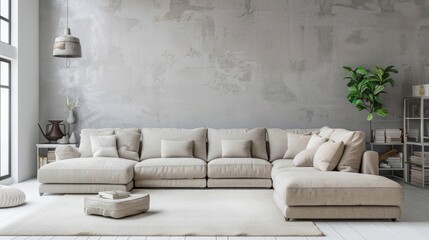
(86, 175)
(238, 171)
(352, 191)
(155, 170)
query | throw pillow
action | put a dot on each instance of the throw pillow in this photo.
(104, 146)
(315, 141)
(85, 147)
(128, 144)
(236, 148)
(328, 155)
(305, 158)
(175, 149)
(295, 144)
(66, 152)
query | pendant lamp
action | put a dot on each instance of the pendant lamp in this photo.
(67, 46)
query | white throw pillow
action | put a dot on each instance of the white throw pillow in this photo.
(328, 155)
(104, 146)
(315, 141)
(66, 152)
(296, 143)
(176, 149)
(236, 148)
(304, 158)
(128, 144)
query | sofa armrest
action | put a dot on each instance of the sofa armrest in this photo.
(66, 152)
(370, 163)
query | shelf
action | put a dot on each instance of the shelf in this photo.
(387, 144)
(390, 169)
(416, 164)
(418, 143)
(416, 118)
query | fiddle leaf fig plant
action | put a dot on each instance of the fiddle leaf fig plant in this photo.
(365, 87)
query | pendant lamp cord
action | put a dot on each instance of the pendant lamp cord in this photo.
(67, 14)
(68, 63)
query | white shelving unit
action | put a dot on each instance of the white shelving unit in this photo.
(399, 147)
(416, 140)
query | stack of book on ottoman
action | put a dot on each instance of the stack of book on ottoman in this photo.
(114, 194)
(116, 204)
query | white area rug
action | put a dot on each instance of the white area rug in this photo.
(172, 213)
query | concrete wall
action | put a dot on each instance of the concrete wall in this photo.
(228, 63)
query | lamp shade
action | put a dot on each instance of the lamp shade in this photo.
(67, 46)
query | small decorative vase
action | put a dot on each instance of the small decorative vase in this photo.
(71, 118)
(72, 138)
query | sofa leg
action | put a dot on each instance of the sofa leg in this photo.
(393, 219)
(287, 219)
(41, 194)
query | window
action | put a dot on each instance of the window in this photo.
(5, 163)
(5, 82)
(5, 21)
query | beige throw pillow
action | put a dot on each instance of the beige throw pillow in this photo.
(315, 141)
(85, 147)
(128, 144)
(104, 146)
(305, 158)
(176, 149)
(236, 148)
(328, 155)
(295, 144)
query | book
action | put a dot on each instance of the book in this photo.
(114, 194)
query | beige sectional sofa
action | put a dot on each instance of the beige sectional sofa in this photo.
(224, 158)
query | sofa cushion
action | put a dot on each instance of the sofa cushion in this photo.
(85, 148)
(328, 155)
(286, 165)
(354, 147)
(94, 170)
(170, 168)
(304, 158)
(239, 168)
(316, 188)
(152, 140)
(128, 143)
(278, 140)
(177, 149)
(295, 144)
(315, 141)
(326, 132)
(236, 148)
(104, 146)
(256, 135)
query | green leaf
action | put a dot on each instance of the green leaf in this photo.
(378, 89)
(347, 68)
(361, 70)
(382, 112)
(370, 117)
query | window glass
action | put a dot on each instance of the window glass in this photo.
(4, 8)
(4, 119)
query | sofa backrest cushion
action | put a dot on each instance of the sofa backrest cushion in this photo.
(257, 136)
(128, 143)
(278, 140)
(354, 147)
(326, 132)
(151, 143)
(85, 148)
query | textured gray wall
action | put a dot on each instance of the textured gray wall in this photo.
(228, 63)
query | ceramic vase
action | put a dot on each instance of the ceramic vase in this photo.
(71, 119)
(72, 138)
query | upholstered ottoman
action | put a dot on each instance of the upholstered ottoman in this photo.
(11, 197)
(117, 208)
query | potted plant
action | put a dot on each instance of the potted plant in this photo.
(365, 88)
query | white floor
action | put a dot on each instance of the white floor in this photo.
(414, 223)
